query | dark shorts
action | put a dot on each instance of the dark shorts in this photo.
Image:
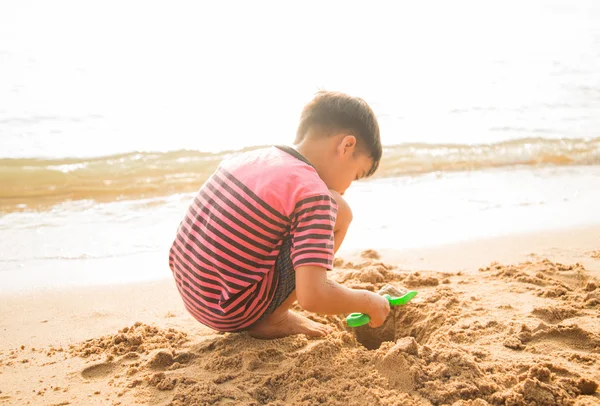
(286, 279)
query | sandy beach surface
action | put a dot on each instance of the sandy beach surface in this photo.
(512, 320)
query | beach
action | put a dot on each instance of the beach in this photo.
(113, 115)
(505, 320)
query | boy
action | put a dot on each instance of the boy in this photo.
(263, 230)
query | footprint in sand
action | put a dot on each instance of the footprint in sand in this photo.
(98, 371)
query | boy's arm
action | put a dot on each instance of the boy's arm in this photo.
(312, 254)
(316, 293)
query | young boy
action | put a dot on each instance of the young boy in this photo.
(263, 230)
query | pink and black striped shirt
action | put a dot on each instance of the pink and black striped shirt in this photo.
(224, 253)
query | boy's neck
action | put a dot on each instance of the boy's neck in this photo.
(314, 151)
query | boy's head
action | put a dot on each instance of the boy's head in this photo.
(345, 131)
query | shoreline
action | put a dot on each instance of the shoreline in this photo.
(119, 302)
(130, 239)
(467, 254)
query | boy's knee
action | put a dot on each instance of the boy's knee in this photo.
(344, 214)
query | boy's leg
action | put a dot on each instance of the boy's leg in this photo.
(342, 221)
(283, 322)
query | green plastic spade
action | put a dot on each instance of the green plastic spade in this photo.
(360, 319)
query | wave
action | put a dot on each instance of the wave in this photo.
(36, 183)
(413, 159)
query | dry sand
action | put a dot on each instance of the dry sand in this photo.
(478, 333)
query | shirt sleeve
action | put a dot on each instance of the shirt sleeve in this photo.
(312, 232)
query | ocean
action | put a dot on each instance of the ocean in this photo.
(112, 115)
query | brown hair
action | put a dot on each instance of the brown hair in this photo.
(334, 111)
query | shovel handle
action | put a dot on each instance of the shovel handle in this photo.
(360, 319)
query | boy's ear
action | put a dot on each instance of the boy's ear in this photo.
(347, 145)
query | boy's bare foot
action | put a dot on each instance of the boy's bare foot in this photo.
(283, 324)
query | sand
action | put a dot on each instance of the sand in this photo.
(498, 333)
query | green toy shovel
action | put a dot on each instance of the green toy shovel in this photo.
(360, 319)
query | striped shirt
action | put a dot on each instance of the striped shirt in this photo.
(224, 253)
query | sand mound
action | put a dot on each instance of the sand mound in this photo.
(137, 338)
(509, 335)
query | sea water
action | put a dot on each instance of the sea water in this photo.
(112, 115)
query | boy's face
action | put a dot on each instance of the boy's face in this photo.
(347, 165)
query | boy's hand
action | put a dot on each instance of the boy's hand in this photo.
(378, 309)
(316, 293)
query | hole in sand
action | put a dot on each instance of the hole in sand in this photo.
(396, 326)
(403, 322)
(418, 319)
(372, 338)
